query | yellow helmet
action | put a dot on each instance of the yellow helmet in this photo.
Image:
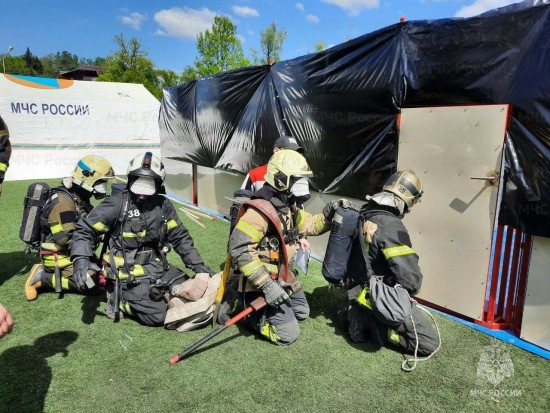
(284, 165)
(406, 185)
(91, 169)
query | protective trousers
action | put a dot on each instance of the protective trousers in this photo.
(363, 325)
(67, 283)
(137, 303)
(279, 325)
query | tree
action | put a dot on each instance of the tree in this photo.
(86, 61)
(271, 43)
(219, 49)
(319, 46)
(130, 64)
(48, 66)
(189, 73)
(167, 78)
(54, 64)
(33, 63)
(16, 65)
(65, 61)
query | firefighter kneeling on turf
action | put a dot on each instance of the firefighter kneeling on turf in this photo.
(65, 205)
(140, 225)
(382, 268)
(267, 234)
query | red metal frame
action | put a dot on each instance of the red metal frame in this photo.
(521, 291)
(507, 281)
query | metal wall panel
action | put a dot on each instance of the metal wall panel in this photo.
(178, 178)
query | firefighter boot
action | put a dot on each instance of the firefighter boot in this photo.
(34, 282)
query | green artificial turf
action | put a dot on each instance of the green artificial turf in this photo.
(64, 355)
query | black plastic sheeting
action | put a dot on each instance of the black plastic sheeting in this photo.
(342, 104)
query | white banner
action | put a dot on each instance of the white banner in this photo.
(54, 122)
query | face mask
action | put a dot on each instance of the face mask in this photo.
(144, 186)
(100, 190)
(300, 188)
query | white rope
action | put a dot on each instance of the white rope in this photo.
(405, 366)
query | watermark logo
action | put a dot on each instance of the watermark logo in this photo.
(495, 364)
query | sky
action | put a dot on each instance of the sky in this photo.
(167, 29)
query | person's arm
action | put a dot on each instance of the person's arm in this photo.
(5, 154)
(6, 322)
(308, 224)
(243, 243)
(395, 245)
(243, 247)
(97, 223)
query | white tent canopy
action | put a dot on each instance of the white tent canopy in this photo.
(54, 122)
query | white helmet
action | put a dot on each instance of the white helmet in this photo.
(145, 174)
(406, 185)
(284, 165)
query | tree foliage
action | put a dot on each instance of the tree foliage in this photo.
(16, 65)
(33, 63)
(167, 78)
(130, 64)
(219, 49)
(189, 73)
(319, 46)
(271, 43)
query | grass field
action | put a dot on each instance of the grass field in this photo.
(64, 355)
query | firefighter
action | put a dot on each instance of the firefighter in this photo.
(5, 151)
(255, 179)
(390, 255)
(67, 204)
(142, 225)
(265, 238)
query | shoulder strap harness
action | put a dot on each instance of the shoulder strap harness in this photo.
(270, 212)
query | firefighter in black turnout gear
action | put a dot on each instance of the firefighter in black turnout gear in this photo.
(141, 225)
(5, 151)
(390, 254)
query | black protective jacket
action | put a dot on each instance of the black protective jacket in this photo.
(5, 154)
(135, 227)
(389, 250)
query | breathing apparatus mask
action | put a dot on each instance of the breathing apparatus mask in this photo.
(299, 190)
(145, 175)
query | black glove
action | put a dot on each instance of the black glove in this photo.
(202, 268)
(331, 207)
(80, 272)
(275, 295)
